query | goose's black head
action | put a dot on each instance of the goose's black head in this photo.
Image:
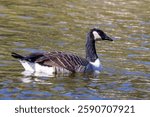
(98, 35)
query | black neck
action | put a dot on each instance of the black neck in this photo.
(91, 54)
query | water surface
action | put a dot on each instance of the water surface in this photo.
(31, 26)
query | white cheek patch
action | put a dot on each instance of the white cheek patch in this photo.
(96, 35)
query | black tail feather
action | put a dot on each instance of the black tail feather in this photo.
(17, 56)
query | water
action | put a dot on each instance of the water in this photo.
(30, 26)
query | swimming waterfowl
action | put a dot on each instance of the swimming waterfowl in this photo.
(61, 62)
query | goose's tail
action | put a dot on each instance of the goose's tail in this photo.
(17, 56)
(28, 66)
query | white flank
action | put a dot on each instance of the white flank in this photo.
(35, 67)
(96, 65)
(44, 69)
(96, 35)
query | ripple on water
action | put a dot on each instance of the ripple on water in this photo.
(127, 87)
(3, 37)
(25, 17)
(2, 15)
(139, 49)
(32, 94)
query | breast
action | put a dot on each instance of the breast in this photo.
(96, 65)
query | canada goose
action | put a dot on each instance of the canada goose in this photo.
(61, 62)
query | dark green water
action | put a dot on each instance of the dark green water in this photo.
(44, 25)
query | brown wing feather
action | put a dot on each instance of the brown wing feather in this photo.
(65, 60)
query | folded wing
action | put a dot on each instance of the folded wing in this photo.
(67, 61)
